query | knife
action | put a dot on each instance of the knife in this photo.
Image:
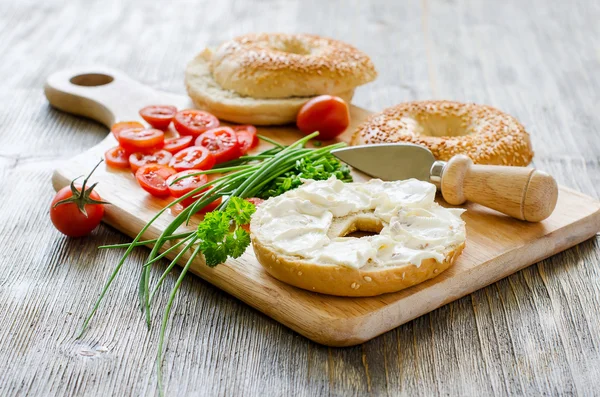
(523, 193)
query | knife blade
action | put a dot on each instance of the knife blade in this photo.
(389, 161)
(523, 193)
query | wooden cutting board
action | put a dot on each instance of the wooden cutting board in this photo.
(497, 246)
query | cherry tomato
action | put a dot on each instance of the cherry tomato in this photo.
(117, 157)
(194, 122)
(177, 208)
(327, 114)
(174, 145)
(255, 200)
(153, 179)
(194, 157)
(147, 141)
(117, 128)
(222, 143)
(138, 160)
(186, 185)
(158, 116)
(76, 215)
(246, 137)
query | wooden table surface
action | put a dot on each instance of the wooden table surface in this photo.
(536, 332)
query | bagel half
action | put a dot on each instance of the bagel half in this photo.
(228, 105)
(302, 236)
(348, 281)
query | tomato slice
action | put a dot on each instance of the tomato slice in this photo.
(222, 143)
(117, 157)
(248, 128)
(246, 140)
(119, 127)
(174, 145)
(138, 160)
(255, 200)
(158, 116)
(194, 157)
(147, 141)
(194, 122)
(186, 185)
(153, 179)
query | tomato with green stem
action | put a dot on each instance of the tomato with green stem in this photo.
(77, 210)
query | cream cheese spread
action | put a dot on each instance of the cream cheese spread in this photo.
(415, 227)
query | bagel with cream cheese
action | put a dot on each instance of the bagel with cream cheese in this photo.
(265, 78)
(483, 133)
(301, 237)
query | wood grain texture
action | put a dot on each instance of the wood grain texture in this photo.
(535, 332)
(497, 246)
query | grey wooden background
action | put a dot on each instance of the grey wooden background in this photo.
(536, 332)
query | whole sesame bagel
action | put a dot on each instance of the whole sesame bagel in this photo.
(302, 237)
(280, 65)
(228, 105)
(485, 134)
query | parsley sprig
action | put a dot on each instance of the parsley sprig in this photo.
(221, 235)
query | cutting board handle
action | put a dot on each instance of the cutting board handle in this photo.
(102, 94)
(523, 193)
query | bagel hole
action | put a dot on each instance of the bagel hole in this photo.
(363, 227)
(292, 47)
(442, 126)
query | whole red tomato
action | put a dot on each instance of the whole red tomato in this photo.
(327, 114)
(76, 211)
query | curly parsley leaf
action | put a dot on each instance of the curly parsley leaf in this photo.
(240, 210)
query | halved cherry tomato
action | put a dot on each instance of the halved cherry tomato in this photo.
(222, 143)
(138, 160)
(186, 185)
(194, 157)
(158, 116)
(117, 157)
(327, 114)
(247, 141)
(121, 126)
(177, 208)
(249, 128)
(255, 200)
(194, 122)
(147, 141)
(174, 145)
(153, 179)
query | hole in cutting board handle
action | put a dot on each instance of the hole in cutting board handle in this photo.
(91, 79)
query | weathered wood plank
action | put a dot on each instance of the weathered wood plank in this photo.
(535, 332)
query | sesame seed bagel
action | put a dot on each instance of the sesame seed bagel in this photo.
(280, 65)
(485, 134)
(303, 237)
(228, 105)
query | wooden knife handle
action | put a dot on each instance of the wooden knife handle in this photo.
(523, 193)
